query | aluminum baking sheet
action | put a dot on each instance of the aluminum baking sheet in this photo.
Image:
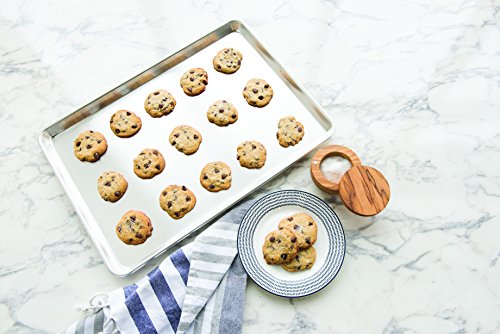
(219, 143)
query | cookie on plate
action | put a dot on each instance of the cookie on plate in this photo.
(134, 228)
(304, 259)
(304, 227)
(90, 146)
(280, 246)
(149, 163)
(159, 103)
(194, 81)
(290, 131)
(258, 93)
(185, 139)
(177, 201)
(222, 113)
(251, 154)
(125, 123)
(216, 176)
(111, 186)
(227, 60)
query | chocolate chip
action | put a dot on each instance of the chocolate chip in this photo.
(195, 137)
(87, 137)
(188, 198)
(160, 105)
(99, 141)
(205, 177)
(296, 227)
(176, 214)
(205, 82)
(224, 101)
(244, 89)
(233, 116)
(169, 204)
(96, 155)
(299, 129)
(308, 241)
(117, 130)
(266, 86)
(191, 79)
(211, 186)
(256, 82)
(184, 188)
(294, 239)
(221, 110)
(107, 184)
(91, 131)
(283, 256)
(164, 193)
(216, 170)
(146, 165)
(132, 218)
(191, 71)
(89, 147)
(254, 90)
(138, 235)
(261, 97)
(239, 62)
(128, 113)
(130, 240)
(174, 142)
(254, 147)
(190, 89)
(310, 223)
(118, 193)
(223, 176)
(134, 126)
(289, 219)
(157, 166)
(78, 144)
(218, 66)
(119, 228)
(272, 239)
(156, 93)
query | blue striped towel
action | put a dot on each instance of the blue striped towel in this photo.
(200, 288)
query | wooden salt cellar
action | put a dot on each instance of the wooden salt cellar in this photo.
(362, 189)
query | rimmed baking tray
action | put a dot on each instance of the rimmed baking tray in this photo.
(79, 179)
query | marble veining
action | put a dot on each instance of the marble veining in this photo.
(413, 88)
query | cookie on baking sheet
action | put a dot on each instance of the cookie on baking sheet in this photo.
(222, 113)
(185, 139)
(280, 246)
(304, 227)
(111, 186)
(251, 154)
(258, 93)
(304, 259)
(90, 146)
(227, 60)
(159, 103)
(290, 131)
(194, 81)
(125, 123)
(216, 176)
(134, 228)
(149, 163)
(177, 201)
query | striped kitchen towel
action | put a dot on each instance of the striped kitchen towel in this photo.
(200, 288)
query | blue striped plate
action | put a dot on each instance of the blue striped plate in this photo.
(263, 217)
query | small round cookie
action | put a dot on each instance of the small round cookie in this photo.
(251, 154)
(304, 227)
(290, 131)
(90, 146)
(125, 123)
(279, 247)
(216, 176)
(185, 139)
(227, 61)
(194, 81)
(258, 93)
(134, 228)
(222, 113)
(149, 163)
(159, 103)
(177, 201)
(304, 259)
(111, 186)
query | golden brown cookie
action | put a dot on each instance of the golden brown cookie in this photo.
(111, 186)
(194, 81)
(90, 146)
(280, 246)
(258, 93)
(125, 123)
(304, 227)
(149, 163)
(290, 131)
(185, 139)
(177, 201)
(159, 103)
(134, 228)
(251, 154)
(227, 60)
(222, 113)
(216, 176)
(304, 259)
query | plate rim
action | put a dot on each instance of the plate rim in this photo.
(307, 194)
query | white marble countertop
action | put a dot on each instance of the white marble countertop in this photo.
(412, 86)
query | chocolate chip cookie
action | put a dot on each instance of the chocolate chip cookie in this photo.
(258, 93)
(227, 60)
(222, 113)
(216, 176)
(194, 81)
(304, 227)
(159, 103)
(185, 139)
(304, 259)
(125, 123)
(90, 146)
(149, 163)
(134, 228)
(280, 246)
(177, 201)
(251, 154)
(111, 186)
(290, 131)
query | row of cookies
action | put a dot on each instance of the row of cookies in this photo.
(291, 245)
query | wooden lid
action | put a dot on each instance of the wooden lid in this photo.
(364, 190)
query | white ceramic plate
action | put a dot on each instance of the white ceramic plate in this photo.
(263, 217)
